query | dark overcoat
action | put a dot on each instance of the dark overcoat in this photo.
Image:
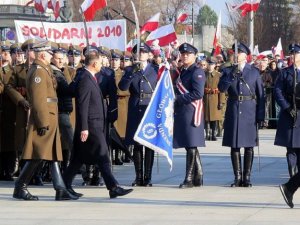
(141, 85)
(186, 134)
(286, 134)
(241, 117)
(90, 115)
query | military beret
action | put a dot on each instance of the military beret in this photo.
(74, 50)
(116, 54)
(16, 48)
(143, 48)
(294, 48)
(104, 51)
(43, 46)
(242, 48)
(5, 45)
(28, 44)
(187, 48)
(91, 48)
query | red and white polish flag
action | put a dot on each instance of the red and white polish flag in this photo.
(165, 35)
(151, 24)
(55, 5)
(90, 7)
(181, 17)
(217, 40)
(40, 5)
(245, 7)
(279, 50)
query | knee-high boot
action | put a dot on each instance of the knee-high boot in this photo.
(20, 191)
(236, 165)
(59, 185)
(291, 158)
(190, 168)
(213, 125)
(138, 165)
(248, 161)
(198, 176)
(149, 159)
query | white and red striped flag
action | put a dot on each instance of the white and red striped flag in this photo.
(90, 7)
(245, 7)
(165, 35)
(40, 5)
(217, 40)
(151, 24)
(181, 17)
(55, 5)
(278, 49)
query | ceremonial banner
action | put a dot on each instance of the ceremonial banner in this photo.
(109, 33)
(156, 128)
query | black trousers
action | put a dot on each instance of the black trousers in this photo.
(105, 170)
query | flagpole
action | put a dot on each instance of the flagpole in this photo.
(85, 29)
(251, 28)
(193, 22)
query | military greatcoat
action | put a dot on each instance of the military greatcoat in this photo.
(186, 134)
(41, 89)
(243, 110)
(286, 134)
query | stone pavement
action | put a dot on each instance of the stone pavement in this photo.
(165, 203)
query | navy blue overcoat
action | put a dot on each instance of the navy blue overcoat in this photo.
(241, 117)
(141, 85)
(186, 134)
(286, 134)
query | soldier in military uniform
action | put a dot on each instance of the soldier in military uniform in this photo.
(140, 79)
(123, 97)
(188, 115)
(43, 139)
(126, 60)
(288, 128)
(213, 100)
(8, 153)
(287, 93)
(245, 109)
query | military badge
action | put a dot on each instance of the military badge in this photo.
(37, 80)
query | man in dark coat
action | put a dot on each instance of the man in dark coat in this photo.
(188, 115)
(288, 128)
(245, 108)
(90, 145)
(140, 79)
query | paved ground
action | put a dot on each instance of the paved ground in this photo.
(164, 203)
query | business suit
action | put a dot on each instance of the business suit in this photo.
(91, 116)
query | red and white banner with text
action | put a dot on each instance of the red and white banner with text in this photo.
(109, 33)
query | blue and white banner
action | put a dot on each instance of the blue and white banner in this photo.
(156, 128)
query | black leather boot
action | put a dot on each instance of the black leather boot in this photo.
(190, 168)
(248, 161)
(138, 165)
(20, 191)
(61, 191)
(291, 158)
(213, 125)
(149, 159)
(97, 179)
(198, 176)
(237, 169)
(66, 160)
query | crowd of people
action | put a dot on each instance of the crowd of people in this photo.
(81, 107)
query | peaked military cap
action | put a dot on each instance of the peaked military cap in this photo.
(294, 48)
(42, 46)
(91, 48)
(64, 48)
(16, 48)
(187, 48)
(143, 48)
(211, 60)
(116, 54)
(104, 51)
(126, 56)
(242, 48)
(28, 44)
(74, 50)
(5, 45)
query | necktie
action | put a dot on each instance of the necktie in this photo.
(95, 79)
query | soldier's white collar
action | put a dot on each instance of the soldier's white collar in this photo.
(241, 66)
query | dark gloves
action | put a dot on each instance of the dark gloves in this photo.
(220, 106)
(25, 104)
(42, 131)
(136, 67)
(292, 112)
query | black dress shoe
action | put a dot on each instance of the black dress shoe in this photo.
(24, 194)
(118, 162)
(213, 138)
(237, 183)
(288, 196)
(186, 185)
(63, 194)
(247, 183)
(147, 183)
(118, 191)
(137, 182)
(71, 190)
